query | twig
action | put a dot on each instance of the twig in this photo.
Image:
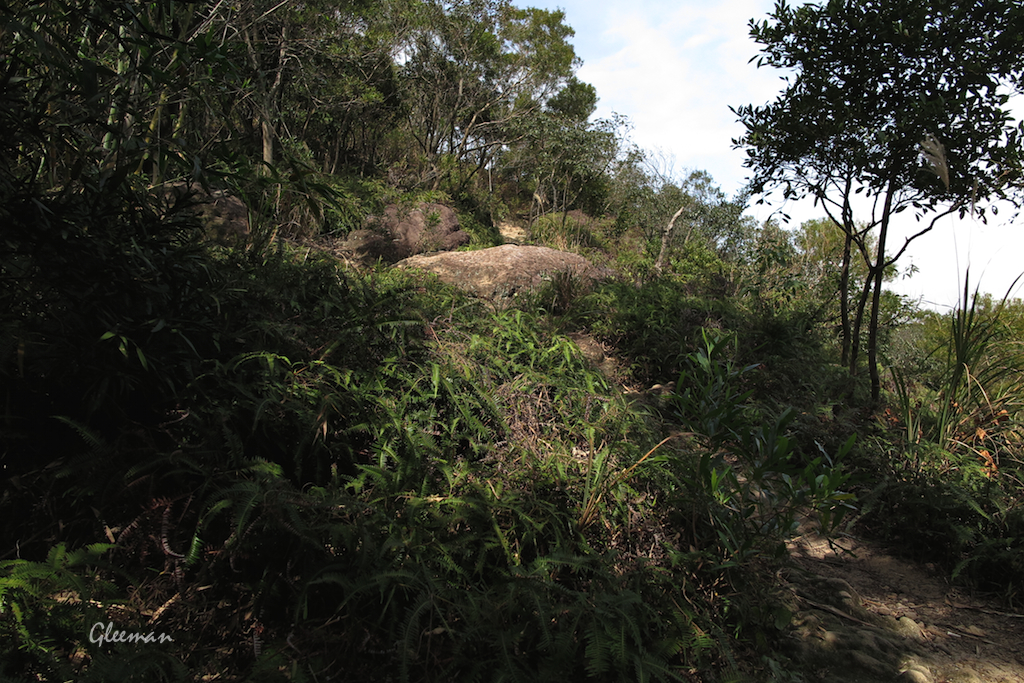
(950, 631)
(837, 612)
(160, 610)
(986, 611)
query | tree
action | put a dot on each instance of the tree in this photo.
(563, 159)
(670, 212)
(344, 98)
(708, 213)
(94, 265)
(315, 71)
(831, 273)
(904, 102)
(103, 86)
(474, 70)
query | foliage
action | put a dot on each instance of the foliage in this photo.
(564, 162)
(749, 467)
(46, 605)
(646, 197)
(573, 231)
(653, 325)
(473, 73)
(303, 471)
(927, 92)
(375, 484)
(961, 429)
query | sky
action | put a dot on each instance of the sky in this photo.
(674, 69)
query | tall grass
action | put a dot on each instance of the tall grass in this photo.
(979, 386)
(962, 490)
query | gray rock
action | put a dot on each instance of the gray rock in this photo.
(500, 273)
(421, 229)
(915, 675)
(224, 216)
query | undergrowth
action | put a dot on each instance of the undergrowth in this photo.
(952, 493)
(248, 463)
(304, 471)
(374, 475)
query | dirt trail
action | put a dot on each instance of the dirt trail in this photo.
(865, 616)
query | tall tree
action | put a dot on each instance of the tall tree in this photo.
(473, 70)
(101, 84)
(904, 102)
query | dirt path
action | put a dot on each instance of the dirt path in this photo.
(866, 616)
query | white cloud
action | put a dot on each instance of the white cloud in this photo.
(674, 68)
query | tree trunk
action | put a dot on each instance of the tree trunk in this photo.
(268, 110)
(118, 120)
(858, 321)
(272, 97)
(844, 299)
(876, 300)
(666, 237)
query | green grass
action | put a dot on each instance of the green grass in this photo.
(372, 463)
(956, 481)
(300, 470)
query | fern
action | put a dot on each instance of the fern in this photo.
(93, 440)
(51, 603)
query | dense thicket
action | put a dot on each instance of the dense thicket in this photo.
(301, 470)
(908, 104)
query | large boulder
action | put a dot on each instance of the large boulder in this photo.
(502, 272)
(360, 246)
(408, 231)
(224, 216)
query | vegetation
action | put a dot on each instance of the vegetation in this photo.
(248, 461)
(918, 120)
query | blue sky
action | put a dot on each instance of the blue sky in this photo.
(674, 68)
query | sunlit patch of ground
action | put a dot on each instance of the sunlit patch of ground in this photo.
(879, 617)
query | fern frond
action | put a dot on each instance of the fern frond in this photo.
(97, 444)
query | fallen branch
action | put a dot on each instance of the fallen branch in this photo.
(837, 612)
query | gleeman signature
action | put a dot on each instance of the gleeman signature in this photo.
(106, 633)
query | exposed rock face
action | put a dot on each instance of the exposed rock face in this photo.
(225, 216)
(404, 232)
(502, 272)
(361, 246)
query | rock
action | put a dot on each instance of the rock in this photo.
(405, 232)
(590, 348)
(915, 674)
(225, 216)
(844, 591)
(663, 389)
(362, 246)
(502, 272)
(513, 234)
(909, 628)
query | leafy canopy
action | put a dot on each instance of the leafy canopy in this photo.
(905, 102)
(869, 82)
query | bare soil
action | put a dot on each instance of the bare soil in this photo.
(861, 614)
